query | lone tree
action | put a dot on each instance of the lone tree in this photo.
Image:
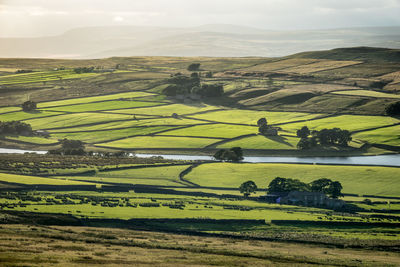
(28, 106)
(304, 132)
(248, 188)
(194, 67)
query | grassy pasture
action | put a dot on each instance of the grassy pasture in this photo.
(251, 117)
(366, 93)
(263, 142)
(9, 109)
(34, 139)
(214, 130)
(360, 180)
(31, 180)
(320, 66)
(106, 105)
(21, 115)
(160, 142)
(75, 119)
(84, 100)
(167, 110)
(280, 64)
(387, 136)
(110, 125)
(43, 76)
(101, 136)
(346, 122)
(158, 175)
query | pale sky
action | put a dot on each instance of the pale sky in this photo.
(23, 18)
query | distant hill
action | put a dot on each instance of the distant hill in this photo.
(366, 54)
(208, 40)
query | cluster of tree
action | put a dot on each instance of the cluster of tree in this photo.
(233, 154)
(15, 128)
(393, 109)
(28, 106)
(70, 147)
(335, 136)
(182, 85)
(323, 185)
(83, 70)
(194, 67)
(265, 129)
(248, 188)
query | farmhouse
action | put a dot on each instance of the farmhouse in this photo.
(302, 198)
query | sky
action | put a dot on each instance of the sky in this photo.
(28, 18)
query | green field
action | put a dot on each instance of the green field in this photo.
(106, 135)
(387, 136)
(106, 105)
(263, 142)
(345, 122)
(354, 179)
(32, 180)
(42, 76)
(214, 130)
(84, 100)
(74, 119)
(21, 115)
(160, 142)
(251, 117)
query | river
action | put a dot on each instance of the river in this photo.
(380, 160)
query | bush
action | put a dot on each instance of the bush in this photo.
(28, 106)
(233, 154)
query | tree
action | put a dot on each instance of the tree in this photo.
(304, 132)
(335, 189)
(194, 67)
(261, 122)
(393, 109)
(28, 106)
(321, 185)
(247, 188)
(287, 185)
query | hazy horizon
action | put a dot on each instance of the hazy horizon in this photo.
(36, 18)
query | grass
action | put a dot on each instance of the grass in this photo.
(106, 105)
(360, 180)
(167, 110)
(161, 175)
(387, 136)
(75, 119)
(214, 130)
(280, 64)
(320, 66)
(21, 115)
(34, 139)
(84, 100)
(345, 122)
(106, 135)
(9, 109)
(160, 142)
(43, 76)
(32, 180)
(263, 142)
(366, 93)
(251, 117)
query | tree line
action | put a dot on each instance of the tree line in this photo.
(310, 139)
(331, 188)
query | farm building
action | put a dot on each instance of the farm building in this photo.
(302, 198)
